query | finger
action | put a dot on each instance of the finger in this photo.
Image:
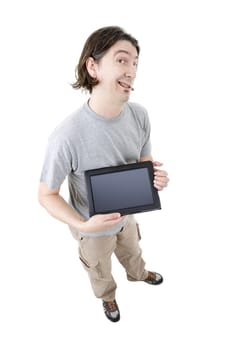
(162, 173)
(161, 180)
(112, 216)
(159, 185)
(115, 220)
(110, 223)
(159, 188)
(156, 163)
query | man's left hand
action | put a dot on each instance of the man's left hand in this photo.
(160, 177)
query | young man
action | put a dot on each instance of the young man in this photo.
(106, 131)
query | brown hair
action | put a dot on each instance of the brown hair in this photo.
(96, 46)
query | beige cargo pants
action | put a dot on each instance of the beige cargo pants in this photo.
(95, 254)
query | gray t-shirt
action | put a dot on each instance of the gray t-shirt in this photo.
(86, 140)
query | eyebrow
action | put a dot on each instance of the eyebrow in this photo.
(124, 51)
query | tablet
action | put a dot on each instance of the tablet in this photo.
(125, 189)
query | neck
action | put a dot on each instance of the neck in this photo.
(104, 106)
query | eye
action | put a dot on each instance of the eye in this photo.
(122, 60)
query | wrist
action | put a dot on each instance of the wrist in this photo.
(81, 225)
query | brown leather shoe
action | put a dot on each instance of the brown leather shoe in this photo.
(153, 278)
(111, 310)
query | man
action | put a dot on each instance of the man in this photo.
(106, 131)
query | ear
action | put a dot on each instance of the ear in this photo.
(91, 67)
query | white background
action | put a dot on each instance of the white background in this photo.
(185, 80)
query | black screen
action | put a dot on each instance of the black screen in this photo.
(123, 189)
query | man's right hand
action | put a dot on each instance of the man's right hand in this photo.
(61, 210)
(101, 222)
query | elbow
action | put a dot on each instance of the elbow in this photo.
(40, 199)
(44, 193)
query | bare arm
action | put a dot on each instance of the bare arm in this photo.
(57, 207)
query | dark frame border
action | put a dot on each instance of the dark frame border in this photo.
(108, 170)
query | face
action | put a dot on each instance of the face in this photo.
(116, 71)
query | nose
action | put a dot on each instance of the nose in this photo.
(131, 72)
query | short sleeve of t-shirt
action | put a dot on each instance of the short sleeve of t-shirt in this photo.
(146, 149)
(146, 129)
(57, 163)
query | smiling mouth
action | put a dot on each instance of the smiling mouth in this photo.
(125, 85)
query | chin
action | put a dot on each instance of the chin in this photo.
(125, 97)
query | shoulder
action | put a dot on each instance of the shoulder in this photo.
(67, 130)
(137, 108)
(140, 113)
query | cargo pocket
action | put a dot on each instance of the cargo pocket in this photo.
(92, 267)
(138, 231)
(84, 262)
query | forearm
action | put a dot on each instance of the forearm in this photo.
(61, 210)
